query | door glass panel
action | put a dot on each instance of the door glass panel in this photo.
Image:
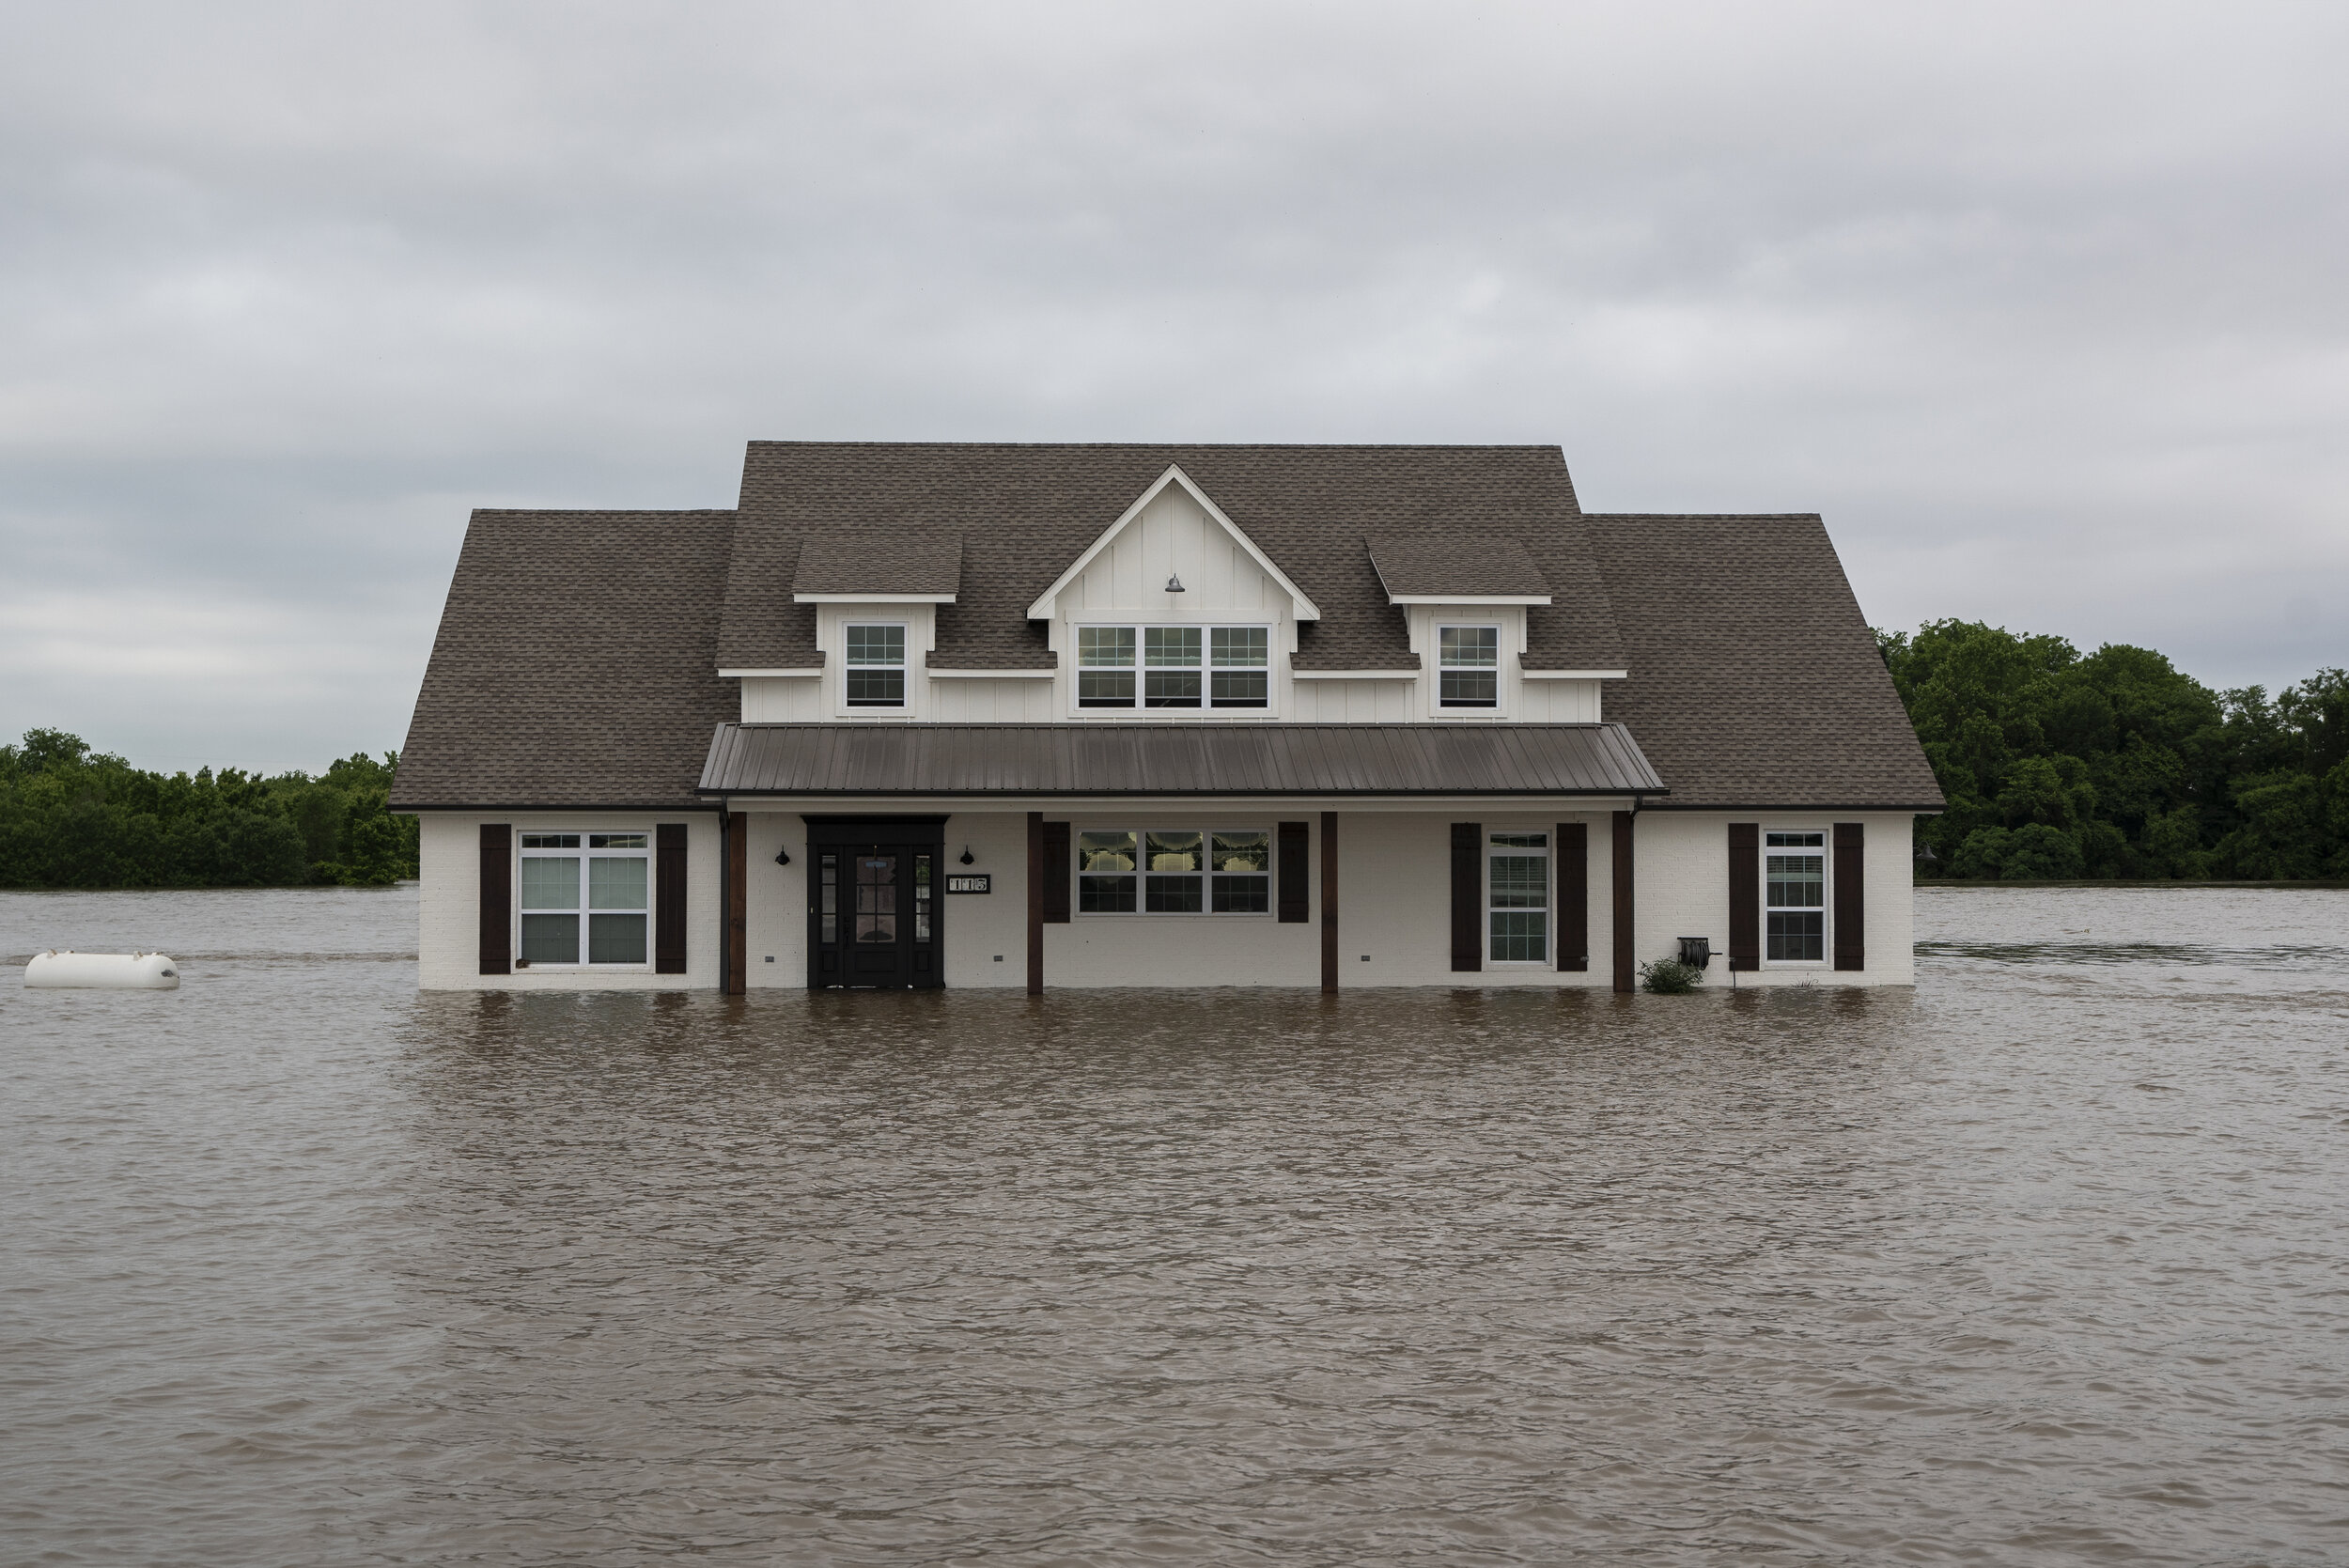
(877, 898)
(920, 898)
(828, 907)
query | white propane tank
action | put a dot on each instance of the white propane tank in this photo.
(104, 971)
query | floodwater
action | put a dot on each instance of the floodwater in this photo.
(2043, 1263)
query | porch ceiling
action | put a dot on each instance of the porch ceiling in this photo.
(901, 760)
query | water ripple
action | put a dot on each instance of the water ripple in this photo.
(2039, 1265)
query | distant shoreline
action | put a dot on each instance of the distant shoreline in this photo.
(2149, 884)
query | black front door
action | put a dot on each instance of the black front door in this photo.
(873, 914)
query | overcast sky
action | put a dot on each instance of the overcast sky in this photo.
(2046, 308)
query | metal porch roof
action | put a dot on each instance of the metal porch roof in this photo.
(909, 759)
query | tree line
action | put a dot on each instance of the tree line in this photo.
(2115, 764)
(2057, 764)
(70, 817)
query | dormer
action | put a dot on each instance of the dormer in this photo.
(1173, 613)
(875, 597)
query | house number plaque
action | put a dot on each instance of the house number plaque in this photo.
(982, 882)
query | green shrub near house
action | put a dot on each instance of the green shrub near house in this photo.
(70, 817)
(2115, 764)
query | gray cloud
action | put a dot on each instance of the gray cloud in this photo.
(2039, 306)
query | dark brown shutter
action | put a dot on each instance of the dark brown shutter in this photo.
(497, 898)
(668, 898)
(1626, 979)
(1056, 873)
(1295, 896)
(1573, 858)
(1851, 900)
(1745, 895)
(1468, 896)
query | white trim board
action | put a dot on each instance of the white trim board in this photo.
(1354, 675)
(1468, 598)
(1575, 674)
(1301, 606)
(992, 675)
(872, 598)
(770, 675)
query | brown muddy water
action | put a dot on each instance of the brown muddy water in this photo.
(2041, 1265)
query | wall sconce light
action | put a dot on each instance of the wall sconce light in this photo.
(966, 855)
(783, 857)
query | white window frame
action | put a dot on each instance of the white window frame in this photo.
(904, 665)
(585, 850)
(1825, 847)
(1500, 654)
(1140, 667)
(1549, 911)
(1141, 872)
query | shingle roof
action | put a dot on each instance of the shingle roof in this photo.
(1175, 759)
(1754, 679)
(1466, 565)
(1024, 512)
(576, 659)
(870, 563)
(572, 663)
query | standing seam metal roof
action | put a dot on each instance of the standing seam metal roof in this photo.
(1176, 759)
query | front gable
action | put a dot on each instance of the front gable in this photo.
(1173, 534)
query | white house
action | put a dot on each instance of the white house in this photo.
(987, 715)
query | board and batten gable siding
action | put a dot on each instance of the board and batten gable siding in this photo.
(449, 902)
(1126, 584)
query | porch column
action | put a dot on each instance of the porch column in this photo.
(1036, 903)
(738, 903)
(1329, 903)
(1625, 975)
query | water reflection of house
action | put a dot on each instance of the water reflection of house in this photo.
(919, 715)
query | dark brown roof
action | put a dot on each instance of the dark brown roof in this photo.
(1754, 679)
(572, 664)
(1025, 512)
(1175, 759)
(576, 659)
(1469, 566)
(869, 562)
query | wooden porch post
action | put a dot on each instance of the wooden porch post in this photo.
(1625, 975)
(1330, 903)
(738, 903)
(1036, 903)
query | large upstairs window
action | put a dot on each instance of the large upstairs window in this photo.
(1174, 666)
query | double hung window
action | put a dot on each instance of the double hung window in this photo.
(1173, 871)
(1794, 882)
(876, 662)
(1518, 890)
(585, 897)
(1178, 666)
(1468, 666)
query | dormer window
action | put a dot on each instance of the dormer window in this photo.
(1469, 666)
(1179, 666)
(876, 663)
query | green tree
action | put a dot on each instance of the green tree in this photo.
(2140, 769)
